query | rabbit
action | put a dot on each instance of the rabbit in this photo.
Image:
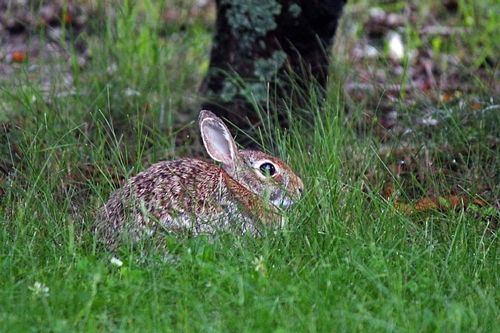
(246, 191)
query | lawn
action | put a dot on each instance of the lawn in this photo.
(397, 229)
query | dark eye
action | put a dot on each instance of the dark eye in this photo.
(267, 169)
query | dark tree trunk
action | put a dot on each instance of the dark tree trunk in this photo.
(259, 45)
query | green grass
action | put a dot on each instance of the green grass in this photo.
(348, 259)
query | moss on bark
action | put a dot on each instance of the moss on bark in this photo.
(259, 45)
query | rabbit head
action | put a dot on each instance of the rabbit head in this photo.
(265, 175)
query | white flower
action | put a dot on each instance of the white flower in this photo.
(131, 92)
(112, 68)
(259, 265)
(39, 289)
(116, 262)
(429, 121)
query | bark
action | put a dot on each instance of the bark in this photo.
(260, 46)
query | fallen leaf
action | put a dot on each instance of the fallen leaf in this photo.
(19, 56)
(452, 202)
(388, 191)
(67, 18)
(479, 202)
(475, 106)
(439, 203)
(426, 204)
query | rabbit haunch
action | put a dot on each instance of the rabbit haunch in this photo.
(197, 196)
(165, 196)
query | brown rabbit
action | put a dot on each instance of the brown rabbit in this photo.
(199, 197)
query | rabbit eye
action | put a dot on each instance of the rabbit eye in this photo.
(267, 169)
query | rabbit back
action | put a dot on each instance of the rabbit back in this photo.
(182, 195)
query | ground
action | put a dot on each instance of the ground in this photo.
(398, 226)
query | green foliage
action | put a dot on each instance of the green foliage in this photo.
(254, 91)
(229, 90)
(294, 10)
(266, 69)
(251, 19)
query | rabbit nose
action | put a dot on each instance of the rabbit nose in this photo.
(299, 187)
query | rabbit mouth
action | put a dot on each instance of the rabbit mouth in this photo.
(282, 202)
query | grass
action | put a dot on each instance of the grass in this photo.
(348, 260)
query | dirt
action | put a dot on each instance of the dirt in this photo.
(32, 32)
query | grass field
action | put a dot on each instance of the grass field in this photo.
(364, 250)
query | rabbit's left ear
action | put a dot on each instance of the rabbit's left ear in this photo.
(218, 140)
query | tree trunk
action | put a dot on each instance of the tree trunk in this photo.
(260, 47)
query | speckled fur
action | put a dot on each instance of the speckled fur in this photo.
(195, 196)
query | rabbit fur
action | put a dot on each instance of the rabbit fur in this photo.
(249, 188)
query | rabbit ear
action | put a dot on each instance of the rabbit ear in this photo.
(217, 140)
